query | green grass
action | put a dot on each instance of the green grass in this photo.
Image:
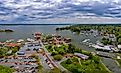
(4, 50)
(4, 69)
(92, 65)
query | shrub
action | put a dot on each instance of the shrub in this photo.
(58, 57)
(54, 53)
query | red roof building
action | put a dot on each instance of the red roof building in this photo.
(37, 35)
(11, 45)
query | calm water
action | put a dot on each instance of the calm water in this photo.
(23, 32)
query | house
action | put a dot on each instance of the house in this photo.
(103, 48)
(111, 37)
(82, 56)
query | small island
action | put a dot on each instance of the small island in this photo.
(6, 30)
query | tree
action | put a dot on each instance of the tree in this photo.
(61, 51)
(54, 53)
(58, 57)
(39, 68)
(71, 48)
(74, 68)
(106, 41)
(119, 36)
(69, 61)
(55, 70)
(119, 41)
(4, 69)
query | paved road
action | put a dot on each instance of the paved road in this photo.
(57, 64)
(60, 66)
(48, 56)
(111, 65)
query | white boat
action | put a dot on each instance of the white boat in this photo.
(30, 40)
(86, 40)
(20, 40)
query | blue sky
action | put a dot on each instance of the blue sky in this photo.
(60, 11)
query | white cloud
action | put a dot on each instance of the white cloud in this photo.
(50, 9)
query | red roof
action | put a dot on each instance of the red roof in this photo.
(37, 33)
(11, 45)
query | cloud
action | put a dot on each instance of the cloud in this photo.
(18, 11)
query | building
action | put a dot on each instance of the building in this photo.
(102, 48)
(37, 35)
(82, 56)
(11, 45)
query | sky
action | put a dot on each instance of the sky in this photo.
(59, 11)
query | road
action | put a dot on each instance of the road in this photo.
(56, 64)
(110, 62)
(111, 65)
(48, 56)
(60, 66)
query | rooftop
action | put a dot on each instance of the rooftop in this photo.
(11, 44)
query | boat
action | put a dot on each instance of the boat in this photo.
(86, 40)
(20, 40)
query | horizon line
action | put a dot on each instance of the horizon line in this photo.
(69, 24)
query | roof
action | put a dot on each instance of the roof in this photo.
(37, 33)
(11, 44)
(103, 48)
(81, 55)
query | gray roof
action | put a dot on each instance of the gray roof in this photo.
(81, 55)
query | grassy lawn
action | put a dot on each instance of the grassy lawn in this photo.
(4, 51)
(4, 69)
(92, 65)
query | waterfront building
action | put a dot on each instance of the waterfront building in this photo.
(37, 35)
